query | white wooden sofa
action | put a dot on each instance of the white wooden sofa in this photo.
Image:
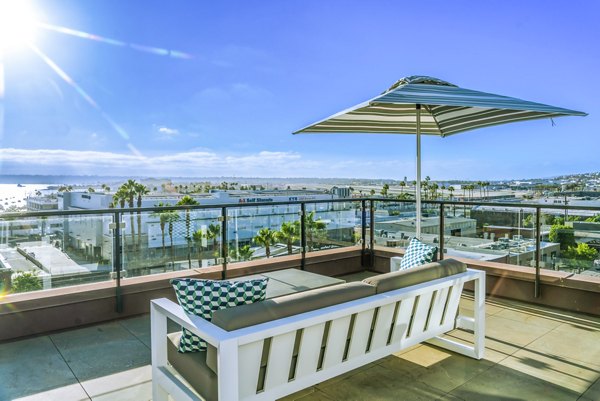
(268, 360)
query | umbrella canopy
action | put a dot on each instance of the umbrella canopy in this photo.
(426, 105)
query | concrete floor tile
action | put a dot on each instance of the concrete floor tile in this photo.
(316, 396)
(298, 395)
(504, 384)
(466, 307)
(133, 384)
(563, 372)
(437, 368)
(529, 318)
(512, 332)
(30, 367)
(495, 349)
(101, 350)
(593, 392)
(347, 375)
(309, 394)
(379, 383)
(572, 342)
(139, 326)
(72, 392)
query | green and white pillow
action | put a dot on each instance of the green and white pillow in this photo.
(203, 297)
(417, 254)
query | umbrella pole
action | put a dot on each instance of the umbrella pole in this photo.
(418, 186)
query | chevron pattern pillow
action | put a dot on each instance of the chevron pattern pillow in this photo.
(417, 254)
(203, 297)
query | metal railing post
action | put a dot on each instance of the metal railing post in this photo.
(224, 249)
(303, 235)
(363, 231)
(117, 260)
(538, 253)
(441, 250)
(372, 233)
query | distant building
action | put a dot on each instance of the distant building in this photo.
(35, 204)
(341, 192)
(93, 236)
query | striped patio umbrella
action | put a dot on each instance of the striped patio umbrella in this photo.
(429, 106)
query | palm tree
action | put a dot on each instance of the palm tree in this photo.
(188, 201)
(288, 234)
(265, 237)
(198, 236)
(244, 252)
(214, 232)
(129, 191)
(451, 190)
(385, 189)
(314, 228)
(402, 185)
(140, 190)
(163, 217)
(172, 217)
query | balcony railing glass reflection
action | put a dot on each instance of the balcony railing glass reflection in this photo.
(42, 250)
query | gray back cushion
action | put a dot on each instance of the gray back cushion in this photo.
(416, 275)
(288, 305)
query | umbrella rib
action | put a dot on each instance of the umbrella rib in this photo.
(428, 108)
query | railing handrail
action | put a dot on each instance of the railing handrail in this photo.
(108, 211)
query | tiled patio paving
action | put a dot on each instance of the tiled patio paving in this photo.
(531, 354)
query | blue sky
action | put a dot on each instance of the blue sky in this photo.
(262, 69)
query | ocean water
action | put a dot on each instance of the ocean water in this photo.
(13, 195)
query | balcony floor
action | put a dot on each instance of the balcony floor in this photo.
(531, 354)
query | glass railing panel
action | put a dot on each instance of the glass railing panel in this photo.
(490, 233)
(576, 238)
(395, 223)
(330, 225)
(257, 232)
(54, 251)
(170, 240)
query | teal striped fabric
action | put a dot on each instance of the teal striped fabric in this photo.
(446, 109)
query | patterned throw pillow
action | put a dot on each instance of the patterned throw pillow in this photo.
(417, 254)
(203, 297)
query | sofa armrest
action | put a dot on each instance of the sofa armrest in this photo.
(164, 308)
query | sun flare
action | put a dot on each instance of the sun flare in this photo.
(17, 24)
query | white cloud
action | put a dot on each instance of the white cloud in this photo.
(170, 132)
(205, 162)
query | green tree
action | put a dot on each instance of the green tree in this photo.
(198, 237)
(25, 282)
(593, 219)
(581, 255)
(315, 229)
(172, 217)
(163, 218)
(140, 191)
(242, 253)
(188, 201)
(562, 234)
(91, 190)
(265, 238)
(128, 191)
(288, 234)
(528, 221)
(213, 233)
(385, 189)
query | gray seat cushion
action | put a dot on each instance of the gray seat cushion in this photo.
(192, 366)
(289, 305)
(416, 275)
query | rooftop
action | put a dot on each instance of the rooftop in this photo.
(531, 353)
